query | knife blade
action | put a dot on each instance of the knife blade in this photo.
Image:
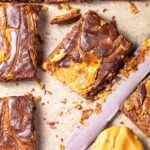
(82, 137)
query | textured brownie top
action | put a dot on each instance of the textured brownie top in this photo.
(89, 56)
(22, 1)
(17, 41)
(137, 107)
(16, 123)
(45, 1)
(58, 1)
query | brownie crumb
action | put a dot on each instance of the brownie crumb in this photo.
(64, 7)
(60, 113)
(38, 98)
(85, 115)
(62, 147)
(61, 139)
(133, 8)
(49, 92)
(147, 4)
(79, 106)
(114, 22)
(43, 8)
(64, 101)
(104, 10)
(98, 108)
(41, 86)
(121, 122)
(52, 124)
(32, 90)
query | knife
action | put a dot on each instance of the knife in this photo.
(83, 136)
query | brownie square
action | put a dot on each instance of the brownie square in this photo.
(60, 1)
(89, 56)
(137, 106)
(18, 51)
(23, 1)
(16, 123)
(45, 1)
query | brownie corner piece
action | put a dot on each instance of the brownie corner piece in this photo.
(89, 57)
(18, 51)
(137, 106)
(16, 123)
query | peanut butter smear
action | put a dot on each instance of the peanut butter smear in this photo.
(118, 138)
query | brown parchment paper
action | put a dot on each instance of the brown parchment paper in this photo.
(134, 26)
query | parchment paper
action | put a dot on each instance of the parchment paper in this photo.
(134, 26)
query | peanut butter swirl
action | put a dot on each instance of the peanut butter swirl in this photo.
(17, 41)
(89, 56)
(16, 123)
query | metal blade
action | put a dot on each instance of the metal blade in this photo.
(83, 136)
